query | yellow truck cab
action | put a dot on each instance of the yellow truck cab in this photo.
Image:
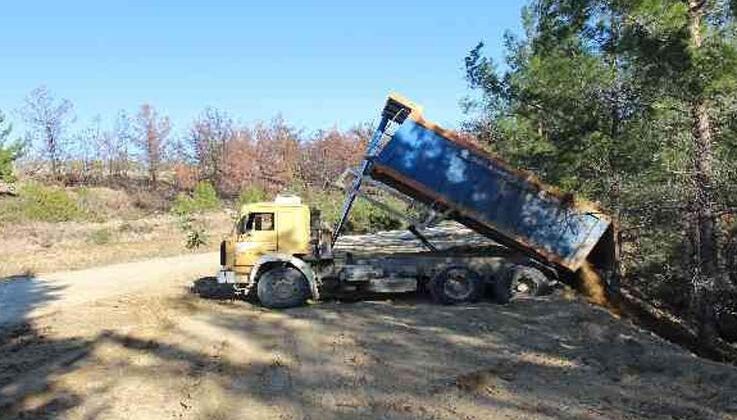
(270, 236)
(282, 226)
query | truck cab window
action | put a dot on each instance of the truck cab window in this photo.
(258, 221)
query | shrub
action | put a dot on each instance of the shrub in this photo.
(187, 207)
(99, 203)
(49, 204)
(364, 216)
(7, 156)
(195, 231)
(101, 237)
(149, 201)
(9, 151)
(204, 198)
(251, 194)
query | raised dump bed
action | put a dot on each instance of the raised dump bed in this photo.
(441, 170)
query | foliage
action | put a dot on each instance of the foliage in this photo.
(9, 151)
(204, 198)
(190, 209)
(364, 216)
(101, 236)
(601, 97)
(195, 231)
(325, 156)
(48, 204)
(251, 194)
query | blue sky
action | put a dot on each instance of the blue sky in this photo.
(319, 64)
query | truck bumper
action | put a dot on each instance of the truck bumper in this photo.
(226, 276)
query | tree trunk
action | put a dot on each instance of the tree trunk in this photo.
(705, 273)
(52, 153)
(152, 145)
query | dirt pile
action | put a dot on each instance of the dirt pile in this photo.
(592, 286)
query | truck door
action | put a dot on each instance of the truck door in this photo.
(257, 237)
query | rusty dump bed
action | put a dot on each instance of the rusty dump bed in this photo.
(512, 207)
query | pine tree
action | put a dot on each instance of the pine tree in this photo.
(9, 151)
(632, 103)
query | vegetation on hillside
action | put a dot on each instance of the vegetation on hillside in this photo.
(632, 104)
(10, 151)
(213, 163)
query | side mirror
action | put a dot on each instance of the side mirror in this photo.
(242, 226)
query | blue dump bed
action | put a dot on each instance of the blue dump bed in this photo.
(478, 190)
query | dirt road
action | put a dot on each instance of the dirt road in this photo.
(26, 297)
(152, 350)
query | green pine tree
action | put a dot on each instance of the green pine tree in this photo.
(632, 103)
(9, 151)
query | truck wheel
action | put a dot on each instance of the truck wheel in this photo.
(521, 280)
(456, 285)
(282, 287)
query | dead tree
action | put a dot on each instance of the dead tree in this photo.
(152, 134)
(47, 119)
(209, 136)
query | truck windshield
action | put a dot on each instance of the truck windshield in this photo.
(257, 221)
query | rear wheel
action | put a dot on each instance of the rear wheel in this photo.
(456, 285)
(282, 287)
(520, 281)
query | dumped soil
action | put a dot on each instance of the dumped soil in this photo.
(161, 352)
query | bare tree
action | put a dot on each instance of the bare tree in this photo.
(115, 146)
(240, 165)
(152, 135)
(328, 154)
(47, 119)
(89, 152)
(209, 136)
(276, 152)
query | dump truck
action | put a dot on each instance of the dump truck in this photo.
(282, 252)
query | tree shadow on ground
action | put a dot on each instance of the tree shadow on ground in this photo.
(611, 353)
(24, 347)
(393, 359)
(21, 294)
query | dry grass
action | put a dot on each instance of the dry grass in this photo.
(46, 247)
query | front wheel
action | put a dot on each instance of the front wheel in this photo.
(456, 285)
(282, 287)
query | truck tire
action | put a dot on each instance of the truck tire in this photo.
(282, 287)
(521, 280)
(456, 285)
